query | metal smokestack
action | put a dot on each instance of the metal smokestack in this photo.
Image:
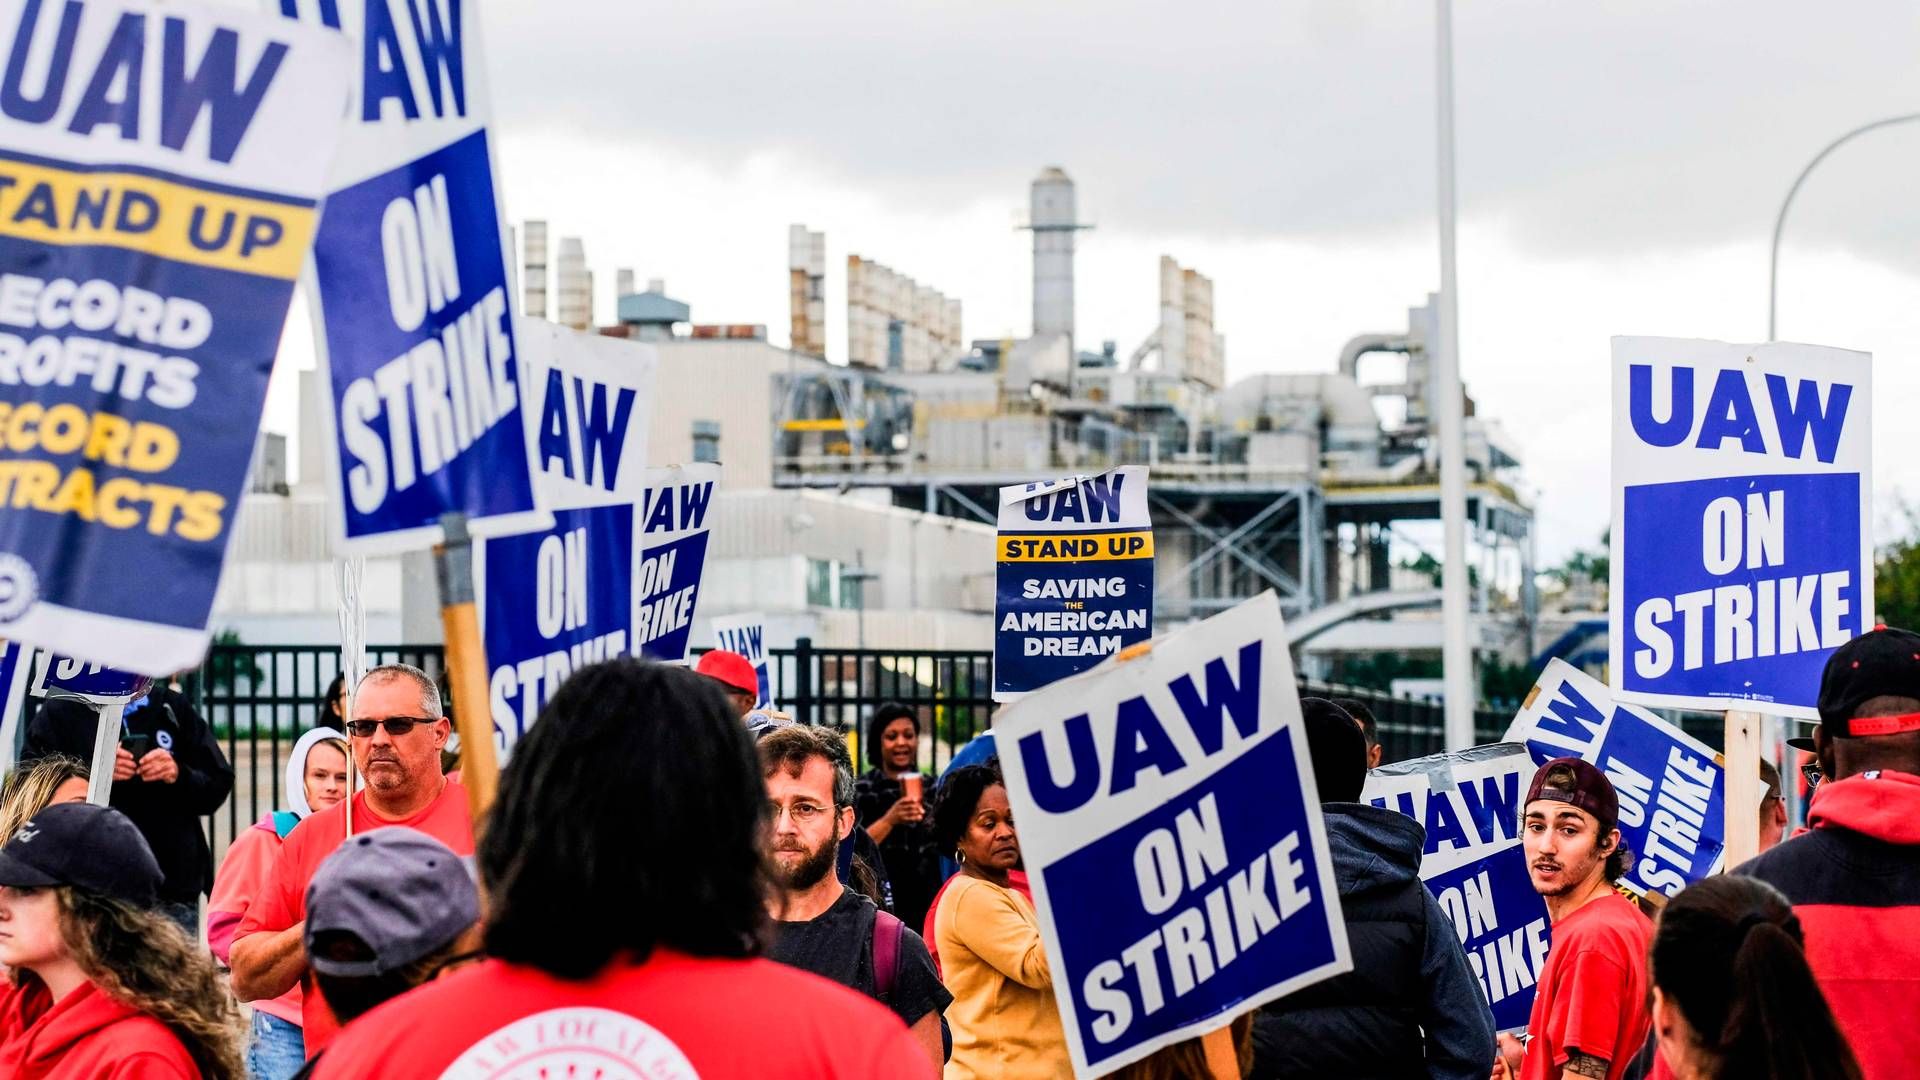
(1054, 218)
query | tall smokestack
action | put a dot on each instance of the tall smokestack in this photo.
(1053, 217)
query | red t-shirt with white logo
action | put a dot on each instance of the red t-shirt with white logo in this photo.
(674, 1017)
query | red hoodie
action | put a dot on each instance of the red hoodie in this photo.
(85, 1036)
(1854, 879)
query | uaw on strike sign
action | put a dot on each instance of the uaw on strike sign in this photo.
(430, 409)
(160, 173)
(558, 598)
(1474, 863)
(1172, 834)
(1074, 580)
(1741, 550)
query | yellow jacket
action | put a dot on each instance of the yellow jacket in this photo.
(1004, 1021)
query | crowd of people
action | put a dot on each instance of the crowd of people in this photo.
(672, 883)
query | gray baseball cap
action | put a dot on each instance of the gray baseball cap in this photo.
(397, 889)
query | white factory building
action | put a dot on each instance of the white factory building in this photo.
(858, 494)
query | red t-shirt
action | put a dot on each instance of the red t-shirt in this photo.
(1593, 990)
(283, 901)
(674, 1017)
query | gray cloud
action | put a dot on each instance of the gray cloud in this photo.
(1583, 129)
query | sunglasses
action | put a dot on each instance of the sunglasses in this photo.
(396, 725)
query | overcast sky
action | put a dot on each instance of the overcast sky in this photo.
(1620, 166)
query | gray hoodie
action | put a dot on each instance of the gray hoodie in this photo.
(1411, 1006)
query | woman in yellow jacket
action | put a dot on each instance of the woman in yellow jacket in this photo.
(1005, 1023)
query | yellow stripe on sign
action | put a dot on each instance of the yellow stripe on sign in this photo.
(163, 218)
(1077, 547)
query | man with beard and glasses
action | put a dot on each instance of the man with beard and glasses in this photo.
(397, 732)
(1590, 1012)
(820, 925)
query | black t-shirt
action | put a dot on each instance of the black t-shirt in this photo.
(838, 945)
(912, 856)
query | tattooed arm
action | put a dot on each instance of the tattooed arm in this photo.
(1583, 1065)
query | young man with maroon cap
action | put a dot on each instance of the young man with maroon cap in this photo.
(1854, 876)
(1590, 1013)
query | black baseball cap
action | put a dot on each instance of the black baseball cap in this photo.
(1590, 791)
(92, 848)
(1883, 662)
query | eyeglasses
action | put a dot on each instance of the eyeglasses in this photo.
(1811, 770)
(396, 725)
(801, 813)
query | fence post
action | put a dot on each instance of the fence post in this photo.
(803, 680)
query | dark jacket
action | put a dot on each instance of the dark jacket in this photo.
(1411, 1006)
(1854, 879)
(168, 815)
(911, 855)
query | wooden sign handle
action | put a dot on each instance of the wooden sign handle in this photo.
(1741, 760)
(467, 666)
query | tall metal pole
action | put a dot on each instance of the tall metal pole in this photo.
(1456, 653)
(1780, 222)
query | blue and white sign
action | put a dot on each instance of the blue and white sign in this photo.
(1075, 577)
(77, 680)
(1673, 791)
(15, 661)
(673, 554)
(1474, 864)
(747, 635)
(160, 173)
(556, 599)
(552, 601)
(592, 402)
(1742, 553)
(1172, 834)
(416, 327)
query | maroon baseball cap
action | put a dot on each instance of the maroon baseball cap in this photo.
(1591, 790)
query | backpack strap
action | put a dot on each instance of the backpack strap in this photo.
(887, 932)
(284, 821)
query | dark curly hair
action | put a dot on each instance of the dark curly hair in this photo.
(634, 806)
(958, 797)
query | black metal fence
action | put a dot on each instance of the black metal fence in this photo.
(260, 697)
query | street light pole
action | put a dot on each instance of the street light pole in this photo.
(1780, 222)
(1456, 653)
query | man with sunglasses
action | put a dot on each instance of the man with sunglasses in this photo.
(1854, 876)
(397, 731)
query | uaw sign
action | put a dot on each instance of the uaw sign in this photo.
(1672, 788)
(419, 343)
(1074, 578)
(161, 167)
(560, 598)
(1172, 834)
(1474, 864)
(673, 556)
(1741, 553)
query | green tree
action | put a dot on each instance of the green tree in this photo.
(1896, 575)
